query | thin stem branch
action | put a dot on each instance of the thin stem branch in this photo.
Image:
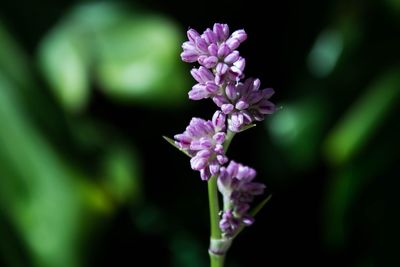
(216, 260)
(214, 207)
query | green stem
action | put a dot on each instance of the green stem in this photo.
(216, 260)
(214, 207)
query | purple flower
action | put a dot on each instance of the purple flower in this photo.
(230, 223)
(215, 49)
(203, 141)
(240, 103)
(206, 86)
(235, 182)
(245, 103)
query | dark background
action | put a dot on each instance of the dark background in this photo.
(329, 156)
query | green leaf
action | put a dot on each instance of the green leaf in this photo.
(172, 142)
(257, 209)
(13, 61)
(139, 59)
(37, 191)
(65, 63)
(325, 54)
(254, 212)
(363, 118)
(67, 53)
(297, 129)
(247, 127)
(131, 56)
(121, 174)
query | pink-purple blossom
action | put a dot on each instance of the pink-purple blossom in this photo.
(220, 77)
(216, 49)
(245, 103)
(203, 141)
(235, 182)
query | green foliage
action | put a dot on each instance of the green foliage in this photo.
(131, 56)
(363, 118)
(48, 198)
(67, 170)
(35, 186)
(342, 119)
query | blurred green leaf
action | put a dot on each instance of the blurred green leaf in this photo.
(186, 251)
(334, 45)
(341, 196)
(325, 53)
(120, 174)
(65, 63)
(393, 5)
(44, 197)
(139, 59)
(36, 190)
(132, 56)
(363, 118)
(13, 61)
(297, 129)
(151, 219)
(114, 167)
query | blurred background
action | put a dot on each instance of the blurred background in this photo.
(87, 89)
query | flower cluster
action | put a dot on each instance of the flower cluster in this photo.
(244, 103)
(218, 77)
(215, 49)
(238, 190)
(203, 141)
(240, 104)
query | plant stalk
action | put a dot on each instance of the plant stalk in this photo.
(217, 242)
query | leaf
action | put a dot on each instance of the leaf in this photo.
(138, 59)
(297, 129)
(254, 212)
(13, 61)
(364, 118)
(247, 127)
(37, 191)
(131, 56)
(257, 209)
(172, 142)
(121, 174)
(65, 64)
